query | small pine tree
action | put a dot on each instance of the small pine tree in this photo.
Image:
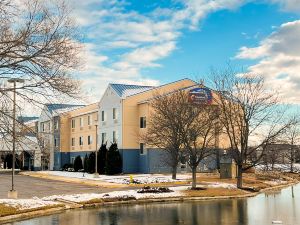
(91, 164)
(102, 159)
(78, 163)
(113, 160)
(86, 163)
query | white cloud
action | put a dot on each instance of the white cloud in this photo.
(121, 43)
(288, 5)
(279, 60)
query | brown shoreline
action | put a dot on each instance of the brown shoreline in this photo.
(51, 211)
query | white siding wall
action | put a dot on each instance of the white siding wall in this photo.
(46, 117)
(109, 101)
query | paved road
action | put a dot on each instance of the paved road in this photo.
(29, 187)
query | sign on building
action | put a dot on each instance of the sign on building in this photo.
(200, 96)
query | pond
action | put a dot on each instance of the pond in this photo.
(281, 205)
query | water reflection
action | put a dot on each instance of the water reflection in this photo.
(262, 209)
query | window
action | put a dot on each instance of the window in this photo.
(102, 116)
(89, 120)
(81, 140)
(43, 127)
(73, 123)
(103, 137)
(56, 125)
(55, 142)
(114, 113)
(141, 148)
(72, 160)
(81, 122)
(115, 138)
(73, 141)
(143, 122)
(90, 140)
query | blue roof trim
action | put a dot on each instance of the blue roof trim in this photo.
(53, 107)
(125, 90)
(169, 83)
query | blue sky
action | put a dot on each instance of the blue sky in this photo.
(155, 42)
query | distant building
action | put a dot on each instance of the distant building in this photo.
(49, 131)
(27, 147)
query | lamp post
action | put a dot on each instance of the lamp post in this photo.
(13, 193)
(96, 174)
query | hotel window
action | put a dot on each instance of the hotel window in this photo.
(56, 125)
(90, 140)
(102, 116)
(114, 113)
(73, 141)
(143, 122)
(141, 148)
(73, 123)
(55, 142)
(89, 120)
(115, 138)
(81, 122)
(103, 137)
(81, 140)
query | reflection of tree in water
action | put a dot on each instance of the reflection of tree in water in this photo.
(109, 217)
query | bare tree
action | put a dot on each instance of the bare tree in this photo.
(198, 132)
(39, 43)
(163, 127)
(292, 138)
(249, 110)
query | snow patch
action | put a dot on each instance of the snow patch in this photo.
(121, 179)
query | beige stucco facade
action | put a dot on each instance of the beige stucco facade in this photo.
(78, 129)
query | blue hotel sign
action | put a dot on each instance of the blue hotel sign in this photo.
(201, 96)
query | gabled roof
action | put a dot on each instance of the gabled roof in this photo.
(126, 90)
(55, 109)
(28, 119)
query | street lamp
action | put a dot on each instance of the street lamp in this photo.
(13, 193)
(96, 174)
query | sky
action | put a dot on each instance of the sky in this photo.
(155, 42)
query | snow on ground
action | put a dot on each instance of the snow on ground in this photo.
(118, 194)
(177, 192)
(121, 179)
(22, 204)
(281, 167)
(218, 185)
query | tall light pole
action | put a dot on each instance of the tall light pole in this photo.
(96, 174)
(13, 193)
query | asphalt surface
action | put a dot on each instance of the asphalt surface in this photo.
(29, 187)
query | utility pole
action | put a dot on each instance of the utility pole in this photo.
(96, 174)
(13, 193)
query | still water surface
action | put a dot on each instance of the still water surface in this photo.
(283, 205)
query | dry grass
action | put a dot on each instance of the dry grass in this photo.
(214, 192)
(8, 210)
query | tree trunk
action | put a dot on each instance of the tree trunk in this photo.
(292, 160)
(239, 176)
(194, 178)
(174, 172)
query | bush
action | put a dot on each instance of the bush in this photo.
(78, 163)
(86, 163)
(67, 166)
(102, 159)
(91, 164)
(113, 160)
